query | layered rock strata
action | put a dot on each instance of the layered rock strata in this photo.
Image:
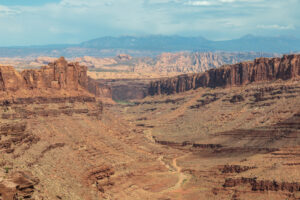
(261, 69)
(18, 185)
(56, 76)
(263, 185)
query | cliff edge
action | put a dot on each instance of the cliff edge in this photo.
(261, 69)
(57, 79)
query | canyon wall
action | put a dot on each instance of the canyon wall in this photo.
(59, 75)
(261, 69)
(99, 89)
(120, 89)
(10, 79)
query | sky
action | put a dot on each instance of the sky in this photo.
(39, 22)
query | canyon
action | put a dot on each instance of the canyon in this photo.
(124, 77)
(228, 133)
(175, 62)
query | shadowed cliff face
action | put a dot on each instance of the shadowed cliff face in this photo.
(99, 89)
(261, 69)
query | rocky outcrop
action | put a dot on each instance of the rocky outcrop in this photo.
(58, 75)
(13, 135)
(100, 176)
(18, 109)
(235, 168)
(237, 98)
(46, 100)
(261, 69)
(263, 185)
(18, 185)
(124, 57)
(10, 79)
(207, 146)
(187, 144)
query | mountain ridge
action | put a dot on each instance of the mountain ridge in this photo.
(155, 44)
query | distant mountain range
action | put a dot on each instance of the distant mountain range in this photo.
(156, 44)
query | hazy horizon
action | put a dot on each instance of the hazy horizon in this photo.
(36, 22)
(150, 35)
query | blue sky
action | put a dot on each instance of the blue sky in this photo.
(34, 22)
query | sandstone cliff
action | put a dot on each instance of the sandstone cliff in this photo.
(261, 69)
(58, 75)
(99, 89)
(10, 79)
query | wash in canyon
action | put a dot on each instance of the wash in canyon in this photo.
(227, 133)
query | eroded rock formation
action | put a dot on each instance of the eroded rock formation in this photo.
(235, 168)
(101, 177)
(58, 75)
(13, 135)
(10, 79)
(261, 69)
(193, 62)
(18, 185)
(263, 185)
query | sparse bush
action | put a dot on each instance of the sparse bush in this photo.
(6, 169)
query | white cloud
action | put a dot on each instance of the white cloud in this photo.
(219, 2)
(228, 1)
(276, 26)
(234, 1)
(4, 10)
(86, 3)
(78, 20)
(199, 3)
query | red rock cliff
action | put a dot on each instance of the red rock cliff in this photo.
(261, 69)
(10, 79)
(59, 75)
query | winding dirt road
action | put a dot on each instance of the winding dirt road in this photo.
(182, 177)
